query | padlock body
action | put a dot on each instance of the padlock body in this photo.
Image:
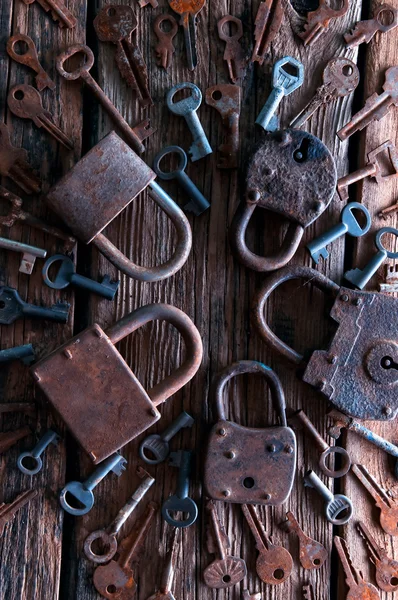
(250, 466)
(92, 388)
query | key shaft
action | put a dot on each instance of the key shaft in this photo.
(34, 456)
(8, 511)
(9, 438)
(59, 12)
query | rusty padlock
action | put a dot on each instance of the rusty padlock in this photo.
(358, 372)
(99, 187)
(247, 465)
(292, 173)
(92, 388)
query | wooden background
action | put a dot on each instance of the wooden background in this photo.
(41, 551)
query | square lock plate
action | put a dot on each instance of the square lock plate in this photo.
(93, 389)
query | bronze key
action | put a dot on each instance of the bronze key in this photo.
(8, 511)
(14, 164)
(365, 30)
(28, 56)
(386, 567)
(165, 48)
(164, 592)
(319, 19)
(58, 11)
(388, 507)
(188, 9)
(234, 54)
(268, 21)
(359, 588)
(312, 553)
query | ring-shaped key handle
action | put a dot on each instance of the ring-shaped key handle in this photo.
(108, 541)
(186, 105)
(226, 37)
(30, 52)
(386, 8)
(348, 218)
(83, 499)
(185, 506)
(379, 244)
(32, 459)
(340, 505)
(79, 71)
(341, 74)
(154, 450)
(172, 32)
(181, 166)
(62, 278)
(290, 82)
(335, 473)
(23, 100)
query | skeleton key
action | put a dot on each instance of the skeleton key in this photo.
(24, 101)
(188, 9)
(376, 106)
(180, 502)
(14, 164)
(12, 307)
(8, 511)
(267, 24)
(58, 10)
(165, 48)
(338, 508)
(234, 54)
(24, 353)
(365, 30)
(29, 253)
(225, 571)
(359, 588)
(34, 464)
(340, 78)
(158, 445)
(308, 592)
(312, 553)
(116, 579)
(164, 592)
(388, 506)
(118, 24)
(274, 563)
(386, 567)
(28, 56)
(226, 99)
(9, 438)
(319, 19)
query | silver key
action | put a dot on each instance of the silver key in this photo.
(283, 84)
(187, 108)
(338, 508)
(30, 463)
(349, 224)
(158, 445)
(29, 253)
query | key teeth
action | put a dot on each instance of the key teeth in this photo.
(175, 459)
(120, 467)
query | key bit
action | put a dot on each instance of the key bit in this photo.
(8, 511)
(385, 18)
(28, 56)
(58, 11)
(308, 592)
(386, 567)
(226, 99)
(318, 21)
(312, 553)
(14, 164)
(359, 588)
(388, 506)
(10, 438)
(165, 48)
(267, 24)
(164, 592)
(24, 353)
(234, 54)
(188, 9)
(12, 307)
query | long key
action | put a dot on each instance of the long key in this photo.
(164, 592)
(312, 553)
(8, 511)
(388, 507)
(29, 253)
(267, 24)
(12, 307)
(338, 508)
(225, 571)
(226, 99)
(155, 448)
(108, 536)
(234, 54)
(165, 48)
(24, 101)
(116, 579)
(14, 164)
(118, 24)
(134, 135)
(385, 18)
(283, 84)
(359, 588)
(318, 21)
(58, 10)
(386, 567)
(340, 78)
(34, 463)
(9, 438)
(274, 563)
(180, 502)
(28, 56)
(376, 106)
(188, 9)
(349, 224)
(24, 353)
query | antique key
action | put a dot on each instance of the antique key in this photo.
(388, 506)
(180, 502)
(267, 24)
(386, 567)
(308, 592)
(225, 571)
(188, 9)
(338, 508)
(116, 579)
(283, 84)
(12, 307)
(197, 203)
(14, 164)
(226, 99)
(108, 536)
(234, 54)
(154, 449)
(29, 253)
(164, 592)
(58, 11)
(359, 588)
(319, 19)
(8, 511)
(349, 224)
(165, 48)
(312, 553)
(27, 408)
(187, 108)
(365, 30)
(274, 563)
(118, 24)
(28, 56)
(9, 438)
(24, 353)
(376, 106)
(340, 78)
(24, 101)
(34, 463)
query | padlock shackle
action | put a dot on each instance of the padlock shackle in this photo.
(250, 366)
(271, 283)
(193, 342)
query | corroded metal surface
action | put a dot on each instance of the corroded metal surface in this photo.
(386, 567)
(319, 20)
(234, 54)
(14, 164)
(226, 99)
(165, 48)
(8, 439)
(313, 554)
(268, 21)
(28, 57)
(58, 11)
(364, 31)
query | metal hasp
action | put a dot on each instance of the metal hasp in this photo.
(99, 187)
(357, 372)
(95, 392)
(249, 465)
(267, 24)
(292, 173)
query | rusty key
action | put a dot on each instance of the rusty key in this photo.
(58, 11)
(312, 553)
(359, 588)
(246, 595)
(307, 592)
(164, 592)
(14, 164)
(385, 18)
(28, 56)
(226, 99)
(318, 21)
(153, 3)
(165, 48)
(234, 54)
(267, 24)
(386, 567)
(9, 438)
(388, 506)
(8, 511)
(188, 9)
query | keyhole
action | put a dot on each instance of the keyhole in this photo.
(388, 363)
(301, 154)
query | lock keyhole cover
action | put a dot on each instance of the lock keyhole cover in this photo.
(382, 362)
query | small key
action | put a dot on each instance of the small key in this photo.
(180, 502)
(312, 553)
(349, 224)
(58, 11)
(359, 588)
(283, 84)
(118, 24)
(29, 253)
(187, 108)
(188, 9)
(308, 592)
(388, 507)
(12, 307)
(8, 511)
(385, 18)
(165, 48)
(324, 448)
(234, 54)
(155, 448)
(225, 571)
(376, 106)
(318, 21)
(274, 563)
(198, 203)
(24, 101)
(360, 277)
(340, 78)
(386, 567)
(115, 580)
(108, 536)
(8, 439)
(30, 463)
(226, 99)
(134, 135)
(267, 24)
(246, 595)
(81, 493)
(24, 353)
(164, 592)
(28, 56)
(338, 508)
(14, 164)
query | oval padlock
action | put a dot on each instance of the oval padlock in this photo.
(250, 465)
(92, 388)
(99, 187)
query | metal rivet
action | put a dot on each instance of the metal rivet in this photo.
(267, 496)
(317, 206)
(222, 431)
(333, 359)
(153, 412)
(289, 449)
(230, 454)
(92, 456)
(253, 196)
(271, 448)
(98, 333)
(226, 493)
(68, 353)
(357, 301)
(36, 376)
(344, 297)
(321, 384)
(387, 410)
